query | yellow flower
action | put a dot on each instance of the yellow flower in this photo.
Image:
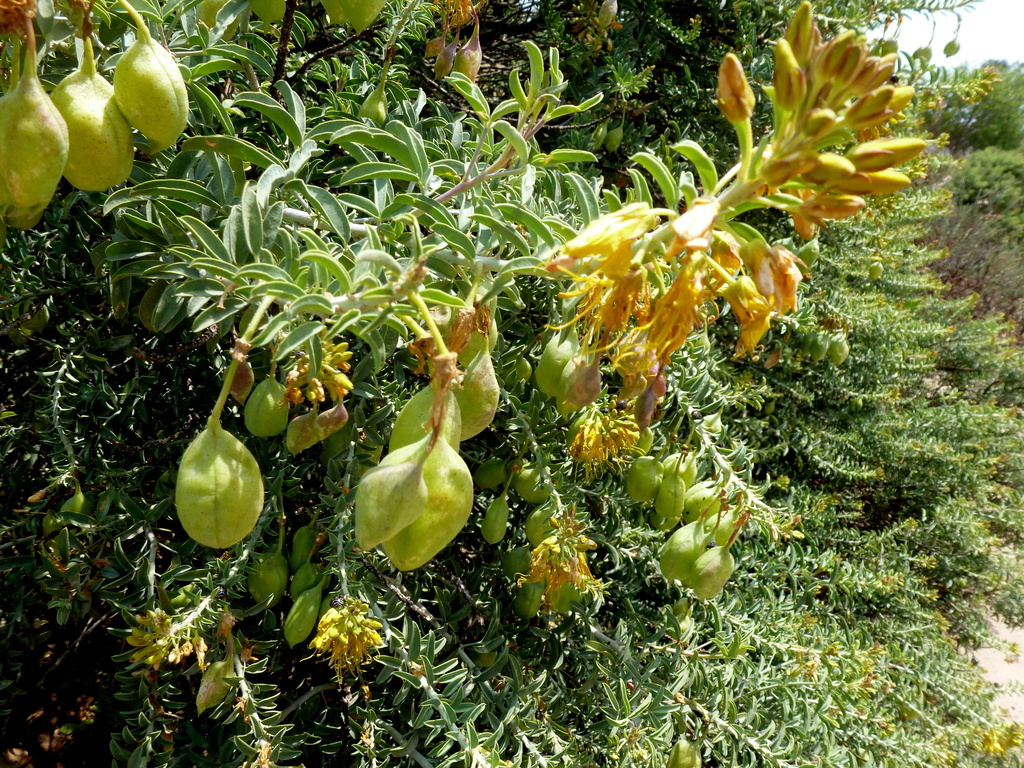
(562, 558)
(606, 244)
(347, 635)
(156, 640)
(677, 311)
(751, 309)
(602, 439)
(331, 379)
(694, 228)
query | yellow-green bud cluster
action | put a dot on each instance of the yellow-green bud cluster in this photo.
(824, 93)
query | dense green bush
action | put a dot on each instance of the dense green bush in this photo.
(883, 489)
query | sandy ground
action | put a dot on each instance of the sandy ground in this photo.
(1003, 670)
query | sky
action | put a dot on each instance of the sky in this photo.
(991, 29)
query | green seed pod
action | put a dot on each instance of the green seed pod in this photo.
(468, 59)
(266, 411)
(303, 541)
(818, 347)
(100, 150)
(268, 579)
(77, 504)
(684, 754)
(808, 252)
(680, 471)
(561, 599)
(207, 12)
(580, 384)
(219, 493)
(838, 350)
(681, 551)
(614, 138)
(538, 525)
(526, 604)
(33, 151)
(361, 13)
(645, 441)
(445, 61)
(392, 495)
(495, 521)
(711, 571)
(268, 11)
(701, 500)
(478, 397)
(150, 91)
(952, 48)
(335, 11)
(548, 373)
(491, 474)
(214, 688)
(722, 526)
(375, 108)
(644, 479)
(302, 432)
(412, 419)
(302, 618)
(598, 137)
(523, 370)
(876, 270)
(449, 504)
(529, 485)
(516, 562)
(306, 577)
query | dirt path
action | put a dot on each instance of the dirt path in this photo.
(1000, 670)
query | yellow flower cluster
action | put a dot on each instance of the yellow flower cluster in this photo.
(331, 379)
(157, 639)
(347, 635)
(603, 439)
(562, 558)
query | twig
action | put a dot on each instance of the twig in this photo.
(409, 602)
(282, 44)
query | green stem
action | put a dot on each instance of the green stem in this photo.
(88, 65)
(140, 23)
(421, 305)
(745, 136)
(247, 334)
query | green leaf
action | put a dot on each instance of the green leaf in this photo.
(273, 111)
(176, 189)
(207, 239)
(329, 209)
(706, 170)
(232, 147)
(297, 337)
(366, 171)
(514, 138)
(662, 175)
(564, 156)
(441, 298)
(471, 93)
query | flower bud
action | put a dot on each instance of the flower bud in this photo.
(778, 171)
(901, 97)
(834, 54)
(735, 97)
(790, 80)
(819, 123)
(867, 110)
(884, 153)
(802, 34)
(876, 183)
(829, 169)
(831, 206)
(694, 227)
(875, 72)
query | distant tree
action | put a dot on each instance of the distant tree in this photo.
(993, 120)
